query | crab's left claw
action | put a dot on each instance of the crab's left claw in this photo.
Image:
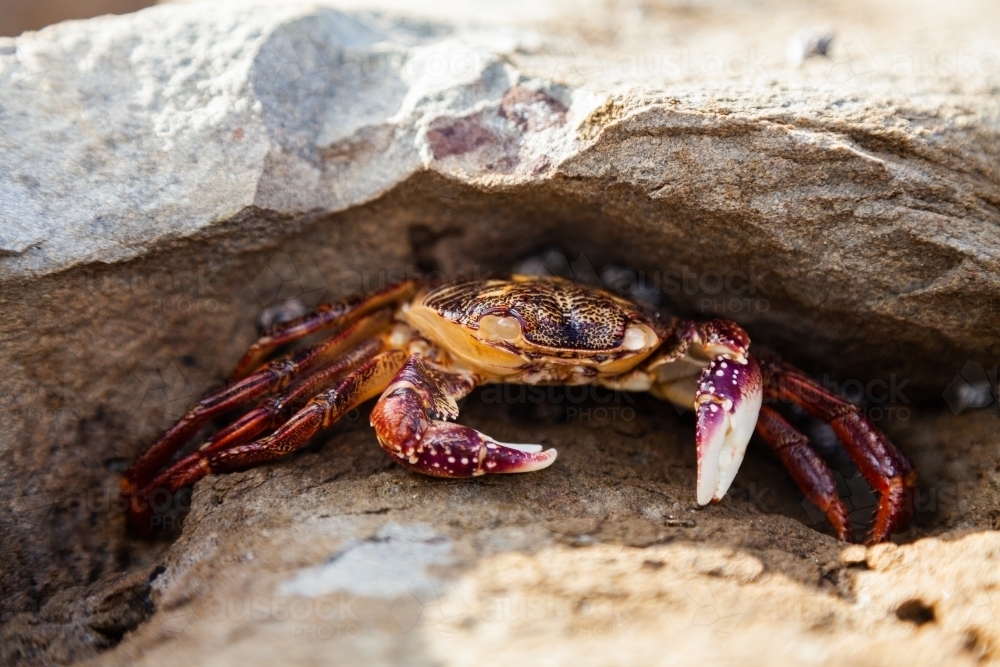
(410, 420)
(727, 403)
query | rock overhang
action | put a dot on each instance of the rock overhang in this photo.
(168, 174)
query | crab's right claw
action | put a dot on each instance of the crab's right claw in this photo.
(727, 403)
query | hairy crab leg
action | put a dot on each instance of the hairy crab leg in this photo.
(272, 377)
(883, 465)
(809, 471)
(326, 316)
(410, 421)
(322, 411)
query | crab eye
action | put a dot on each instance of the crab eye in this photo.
(638, 337)
(508, 328)
(505, 328)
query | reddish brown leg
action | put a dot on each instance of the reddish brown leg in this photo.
(322, 411)
(276, 411)
(326, 316)
(270, 414)
(883, 465)
(410, 421)
(273, 377)
(809, 471)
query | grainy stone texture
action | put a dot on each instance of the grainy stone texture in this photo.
(167, 175)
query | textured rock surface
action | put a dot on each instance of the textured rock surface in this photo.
(339, 555)
(868, 206)
(167, 175)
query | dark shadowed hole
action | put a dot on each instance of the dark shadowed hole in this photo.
(915, 611)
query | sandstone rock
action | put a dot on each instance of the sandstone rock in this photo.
(340, 556)
(167, 175)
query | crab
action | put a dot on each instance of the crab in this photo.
(421, 348)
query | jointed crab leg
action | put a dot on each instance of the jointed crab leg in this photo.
(326, 316)
(272, 413)
(276, 411)
(272, 377)
(361, 384)
(884, 467)
(410, 421)
(809, 471)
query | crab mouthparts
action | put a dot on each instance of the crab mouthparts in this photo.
(727, 404)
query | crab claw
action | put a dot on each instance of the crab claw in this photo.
(411, 423)
(452, 450)
(727, 402)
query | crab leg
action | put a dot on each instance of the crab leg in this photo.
(268, 415)
(366, 382)
(275, 411)
(272, 377)
(410, 421)
(809, 471)
(326, 316)
(883, 465)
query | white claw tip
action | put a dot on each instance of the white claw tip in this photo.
(528, 449)
(541, 460)
(723, 435)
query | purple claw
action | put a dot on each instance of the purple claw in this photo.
(409, 428)
(727, 402)
(447, 449)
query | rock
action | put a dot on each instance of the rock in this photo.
(842, 223)
(602, 559)
(170, 174)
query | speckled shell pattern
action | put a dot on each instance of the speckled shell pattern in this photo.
(554, 313)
